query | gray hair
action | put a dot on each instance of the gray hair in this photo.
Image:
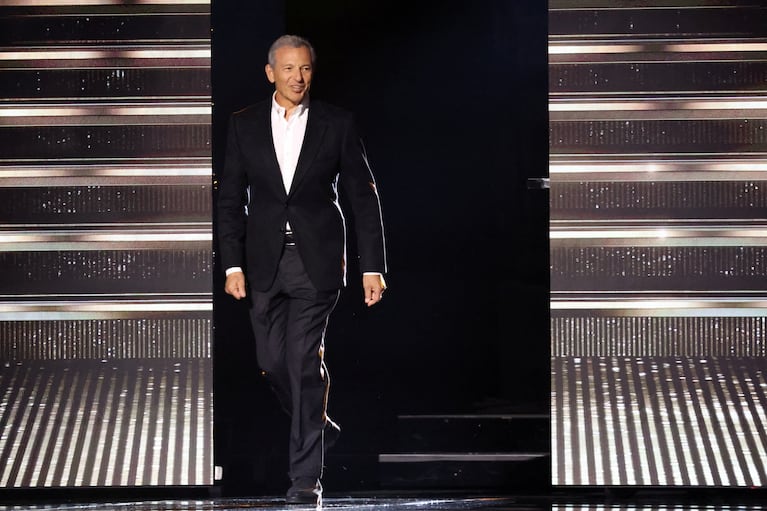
(292, 41)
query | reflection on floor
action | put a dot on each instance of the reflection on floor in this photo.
(276, 504)
(594, 499)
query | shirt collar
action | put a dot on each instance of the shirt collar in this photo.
(300, 109)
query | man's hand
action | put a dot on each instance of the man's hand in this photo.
(235, 284)
(374, 286)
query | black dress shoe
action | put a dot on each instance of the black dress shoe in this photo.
(305, 490)
(330, 434)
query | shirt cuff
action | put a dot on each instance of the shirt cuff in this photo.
(372, 273)
(233, 269)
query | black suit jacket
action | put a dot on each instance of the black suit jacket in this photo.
(332, 154)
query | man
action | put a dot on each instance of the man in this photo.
(282, 241)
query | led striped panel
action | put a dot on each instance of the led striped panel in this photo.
(106, 423)
(660, 421)
(658, 125)
(635, 332)
(105, 244)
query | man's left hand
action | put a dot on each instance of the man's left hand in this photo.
(374, 286)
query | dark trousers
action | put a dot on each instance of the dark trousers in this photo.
(289, 322)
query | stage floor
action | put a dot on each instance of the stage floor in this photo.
(599, 499)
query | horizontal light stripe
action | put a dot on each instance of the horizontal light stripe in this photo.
(715, 307)
(671, 114)
(20, 173)
(570, 48)
(120, 305)
(591, 105)
(68, 3)
(98, 110)
(75, 310)
(48, 53)
(106, 115)
(425, 457)
(103, 237)
(23, 241)
(573, 235)
(615, 5)
(104, 175)
(106, 226)
(657, 108)
(751, 168)
(580, 49)
(680, 303)
(660, 232)
(714, 47)
(104, 245)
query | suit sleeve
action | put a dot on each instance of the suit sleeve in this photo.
(360, 189)
(231, 203)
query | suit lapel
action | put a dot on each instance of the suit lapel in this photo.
(315, 131)
(263, 126)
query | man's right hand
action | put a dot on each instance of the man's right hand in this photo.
(235, 284)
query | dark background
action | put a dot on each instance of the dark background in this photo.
(452, 100)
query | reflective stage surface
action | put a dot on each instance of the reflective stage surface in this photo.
(594, 499)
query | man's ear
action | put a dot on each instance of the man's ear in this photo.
(269, 73)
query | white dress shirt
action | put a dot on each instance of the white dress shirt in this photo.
(288, 135)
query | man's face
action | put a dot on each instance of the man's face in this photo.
(291, 75)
